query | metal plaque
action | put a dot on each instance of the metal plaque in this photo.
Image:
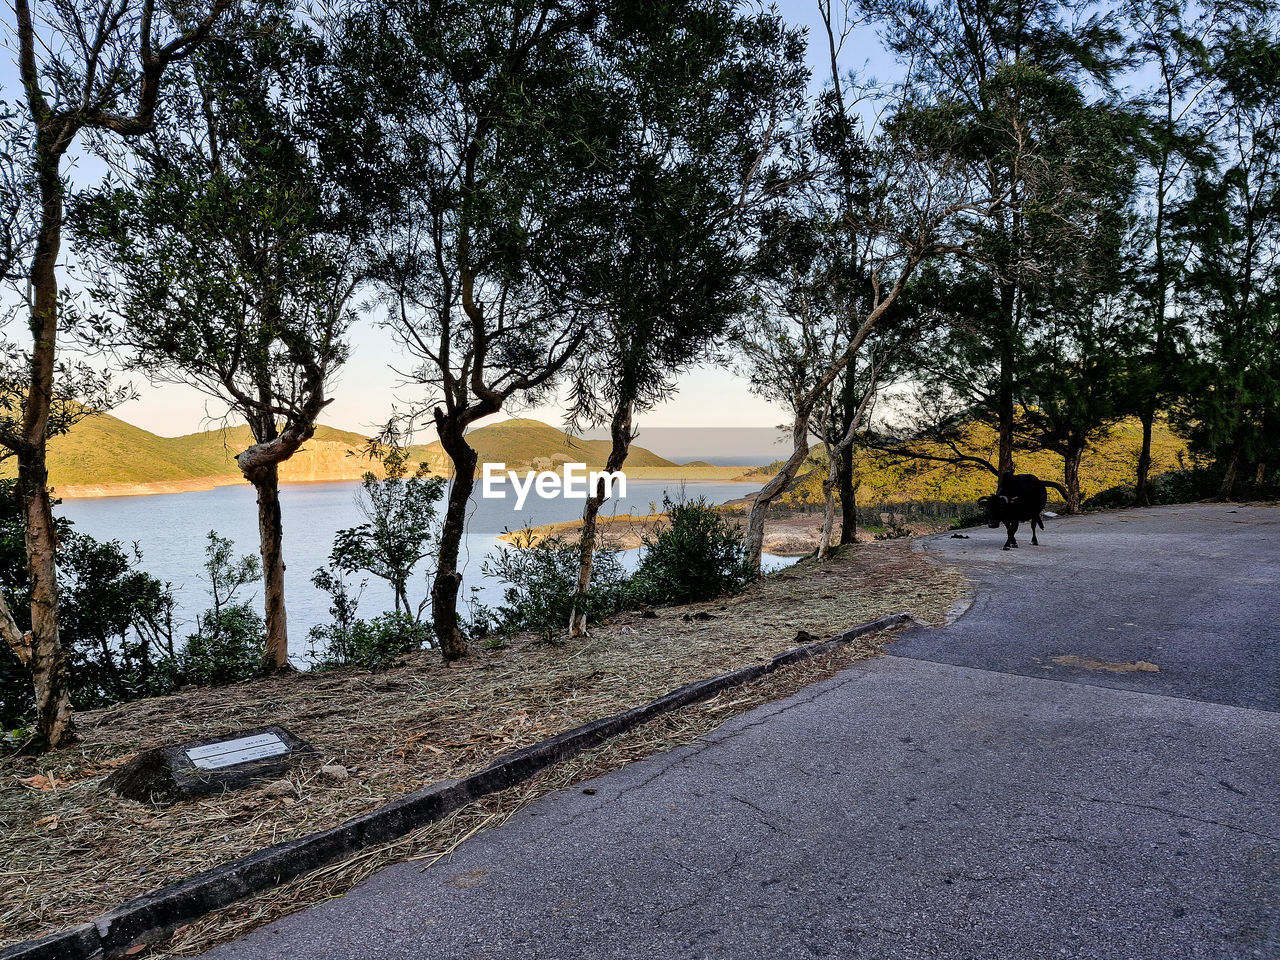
(228, 753)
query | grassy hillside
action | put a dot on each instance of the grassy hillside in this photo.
(883, 480)
(517, 443)
(103, 455)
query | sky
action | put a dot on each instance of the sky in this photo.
(367, 388)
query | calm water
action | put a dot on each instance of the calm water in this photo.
(171, 528)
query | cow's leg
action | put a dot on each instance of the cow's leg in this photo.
(1012, 527)
(1034, 520)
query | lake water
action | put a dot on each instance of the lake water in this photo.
(170, 529)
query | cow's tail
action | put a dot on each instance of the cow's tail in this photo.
(1057, 486)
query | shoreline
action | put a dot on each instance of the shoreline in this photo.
(103, 491)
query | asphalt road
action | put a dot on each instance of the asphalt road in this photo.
(967, 797)
(1193, 590)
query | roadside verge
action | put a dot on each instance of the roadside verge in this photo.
(153, 915)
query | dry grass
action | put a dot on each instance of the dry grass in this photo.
(74, 850)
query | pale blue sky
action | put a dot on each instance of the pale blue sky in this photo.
(366, 390)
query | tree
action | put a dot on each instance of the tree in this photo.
(1072, 394)
(694, 157)
(85, 66)
(1168, 36)
(227, 644)
(510, 123)
(399, 510)
(229, 260)
(1232, 224)
(1080, 309)
(1007, 80)
(115, 620)
(836, 255)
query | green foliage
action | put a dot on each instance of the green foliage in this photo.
(1187, 485)
(540, 581)
(348, 641)
(1231, 225)
(699, 556)
(228, 645)
(400, 524)
(116, 619)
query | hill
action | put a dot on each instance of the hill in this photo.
(105, 456)
(518, 443)
(883, 480)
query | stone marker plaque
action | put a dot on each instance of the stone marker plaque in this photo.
(228, 753)
(229, 762)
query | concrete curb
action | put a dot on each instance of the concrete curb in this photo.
(154, 915)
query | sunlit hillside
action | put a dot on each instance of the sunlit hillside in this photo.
(106, 456)
(888, 479)
(520, 442)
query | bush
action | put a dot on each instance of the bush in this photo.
(371, 644)
(351, 642)
(229, 644)
(540, 581)
(699, 556)
(399, 528)
(1188, 485)
(116, 621)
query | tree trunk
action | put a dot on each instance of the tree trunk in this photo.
(41, 649)
(770, 491)
(1260, 474)
(1071, 478)
(848, 498)
(45, 658)
(1142, 491)
(1233, 468)
(448, 581)
(271, 545)
(620, 432)
(829, 502)
(1005, 397)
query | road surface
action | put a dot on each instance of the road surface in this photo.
(1084, 765)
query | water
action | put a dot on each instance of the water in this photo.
(170, 529)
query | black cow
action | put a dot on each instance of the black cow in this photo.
(1018, 498)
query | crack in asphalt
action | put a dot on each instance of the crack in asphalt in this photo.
(764, 816)
(1178, 814)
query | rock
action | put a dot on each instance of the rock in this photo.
(279, 788)
(335, 772)
(168, 774)
(804, 636)
(700, 615)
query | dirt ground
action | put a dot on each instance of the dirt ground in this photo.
(74, 850)
(787, 533)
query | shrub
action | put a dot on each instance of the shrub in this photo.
(1188, 485)
(116, 620)
(348, 641)
(540, 581)
(400, 523)
(371, 644)
(700, 555)
(229, 643)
